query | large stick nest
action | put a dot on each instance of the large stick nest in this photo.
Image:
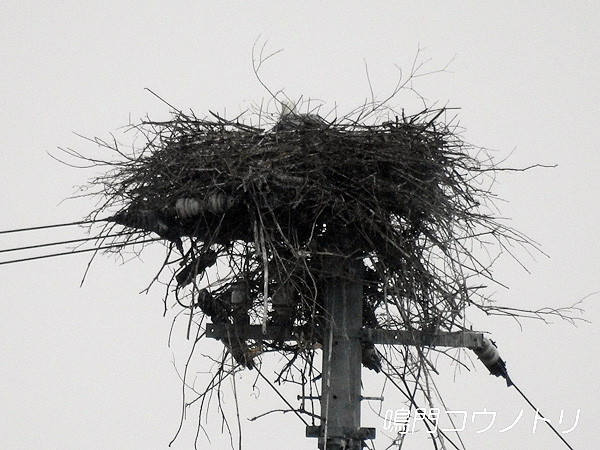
(272, 204)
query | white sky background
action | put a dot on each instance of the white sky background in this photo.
(89, 367)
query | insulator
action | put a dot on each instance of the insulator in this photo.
(283, 295)
(490, 357)
(240, 303)
(214, 307)
(239, 294)
(187, 207)
(370, 358)
(488, 354)
(218, 202)
(283, 304)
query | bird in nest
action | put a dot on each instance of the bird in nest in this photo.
(290, 119)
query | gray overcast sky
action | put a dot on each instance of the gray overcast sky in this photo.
(89, 367)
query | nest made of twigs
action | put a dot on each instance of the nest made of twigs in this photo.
(271, 203)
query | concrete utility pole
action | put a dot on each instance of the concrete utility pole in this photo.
(342, 352)
(342, 355)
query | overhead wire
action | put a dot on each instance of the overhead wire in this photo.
(537, 411)
(511, 384)
(70, 241)
(490, 357)
(56, 225)
(72, 252)
(101, 238)
(413, 402)
(282, 398)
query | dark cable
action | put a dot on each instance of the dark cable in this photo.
(413, 401)
(71, 241)
(545, 420)
(282, 397)
(78, 251)
(56, 225)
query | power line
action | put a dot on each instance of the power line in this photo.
(537, 411)
(411, 398)
(71, 241)
(282, 397)
(489, 356)
(72, 252)
(56, 225)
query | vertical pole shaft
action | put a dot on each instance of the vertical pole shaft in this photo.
(340, 400)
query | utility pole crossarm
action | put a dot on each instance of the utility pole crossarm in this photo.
(466, 339)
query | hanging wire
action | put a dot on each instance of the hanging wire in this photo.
(282, 397)
(56, 225)
(72, 252)
(537, 411)
(411, 399)
(71, 241)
